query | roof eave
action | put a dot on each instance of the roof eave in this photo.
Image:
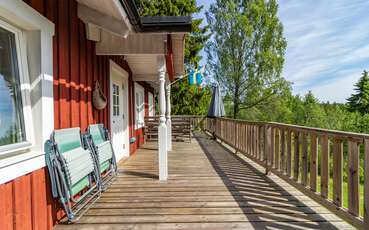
(157, 24)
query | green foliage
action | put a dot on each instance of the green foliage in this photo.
(195, 41)
(184, 100)
(166, 7)
(359, 101)
(10, 136)
(246, 54)
(194, 101)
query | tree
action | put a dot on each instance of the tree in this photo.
(246, 52)
(196, 40)
(194, 43)
(359, 101)
(314, 114)
(193, 100)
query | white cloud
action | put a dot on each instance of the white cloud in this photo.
(325, 40)
(328, 45)
(337, 90)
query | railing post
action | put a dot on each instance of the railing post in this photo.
(260, 143)
(283, 155)
(168, 121)
(353, 178)
(289, 152)
(162, 129)
(277, 149)
(296, 167)
(366, 184)
(324, 173)
(313, 162)
(337, 171)
(272, 146)
(235, 138)
(257, 141)
(304, 176)
(267, 143)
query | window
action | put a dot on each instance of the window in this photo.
(140, 106)
(12, 128)
(151, 105)
(115, 100)
(26, 88)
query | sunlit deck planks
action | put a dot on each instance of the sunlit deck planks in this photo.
(208, 188)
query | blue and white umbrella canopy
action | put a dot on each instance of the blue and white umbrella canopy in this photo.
(216, 108)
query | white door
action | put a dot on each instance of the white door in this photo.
(119, 111)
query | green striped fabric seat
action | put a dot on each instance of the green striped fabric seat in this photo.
(103, 146)
(105, 151)
(97, 133)
(78, 161)
(68, 139)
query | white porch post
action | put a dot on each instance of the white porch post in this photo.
(169, 121)
(163, 155)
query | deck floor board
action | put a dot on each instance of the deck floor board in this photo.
(208, 188)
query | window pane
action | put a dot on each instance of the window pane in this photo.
(11, 109)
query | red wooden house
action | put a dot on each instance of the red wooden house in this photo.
(52, 55)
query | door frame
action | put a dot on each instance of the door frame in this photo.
(114, 67)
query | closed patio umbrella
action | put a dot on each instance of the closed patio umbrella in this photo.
(216, 108)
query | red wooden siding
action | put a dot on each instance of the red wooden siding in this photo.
(76, 67)
(26, 202)
(146, 103)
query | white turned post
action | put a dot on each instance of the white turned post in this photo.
(163, 156)
(169, 121)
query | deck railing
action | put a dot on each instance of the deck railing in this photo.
(323, 164)
(181, 126)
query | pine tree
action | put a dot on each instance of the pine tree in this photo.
(359, 101)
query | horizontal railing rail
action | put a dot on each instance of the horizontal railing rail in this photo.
(195, 120)
(331, 167)
(181, 126)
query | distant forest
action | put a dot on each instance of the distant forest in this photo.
(307, 110)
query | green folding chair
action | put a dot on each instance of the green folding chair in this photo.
(99, 142)
(73, 172)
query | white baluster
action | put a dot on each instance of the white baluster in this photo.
(169, 121)
(162, 129)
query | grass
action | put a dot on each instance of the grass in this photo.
(344, 193)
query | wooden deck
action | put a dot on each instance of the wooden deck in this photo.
(208, 188)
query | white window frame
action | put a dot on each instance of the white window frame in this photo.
(35, 35)
(20, 43)
(139, 115)
(151, 103)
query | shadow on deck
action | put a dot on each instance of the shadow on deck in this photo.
(208, 188)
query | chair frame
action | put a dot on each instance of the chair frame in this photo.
(74, 207)
(109, 175)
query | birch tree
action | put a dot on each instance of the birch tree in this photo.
(246, 50)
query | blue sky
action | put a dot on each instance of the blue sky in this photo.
(328, 45)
